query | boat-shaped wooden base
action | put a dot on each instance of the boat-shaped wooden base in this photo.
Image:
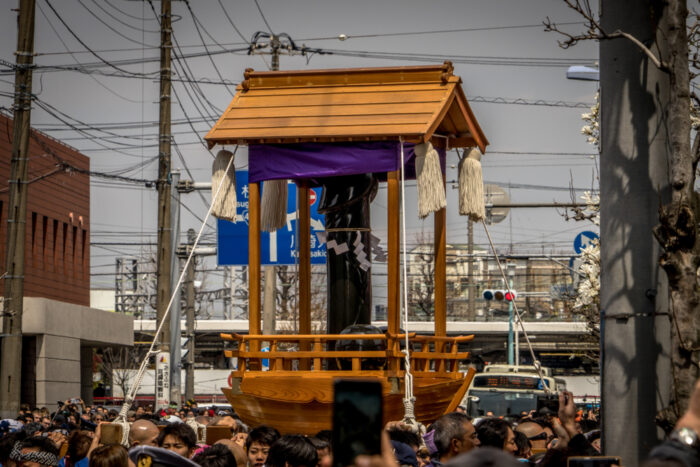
(302, 401)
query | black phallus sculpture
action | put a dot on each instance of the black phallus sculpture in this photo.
(345, 204)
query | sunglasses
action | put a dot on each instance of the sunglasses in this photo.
(539, 436)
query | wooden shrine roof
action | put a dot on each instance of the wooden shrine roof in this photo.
(350, 104)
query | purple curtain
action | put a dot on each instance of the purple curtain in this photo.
(319, 160)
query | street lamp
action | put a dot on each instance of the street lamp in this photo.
(584, 73)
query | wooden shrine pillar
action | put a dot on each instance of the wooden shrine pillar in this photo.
(254, 263)
(393, 315)
(304, 258)
(440, 239)
(440, 272)
(304, 248)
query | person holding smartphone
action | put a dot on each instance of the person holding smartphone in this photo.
(682, 447)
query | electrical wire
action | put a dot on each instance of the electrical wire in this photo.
(436, 31)
(104, 86)
(124, 23)
(235, 28)
(269, 28)
(99, 57)
(108, 26)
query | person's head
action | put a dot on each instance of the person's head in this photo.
(407, 437)
(78, 445)
(46, 422)
(36, 415)
(453, 434)
(143, 432)
(496, 433)
(7, 445)
(323, 447)
(237, 451)
(217, 455)
(38, 451)
(404, 454)
(524, 445)
(292, 451)
(536, 434)
(484, 457)
(258, 444)
(179, 438)
(109, 455)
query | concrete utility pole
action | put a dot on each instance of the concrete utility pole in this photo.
(11, 353)
(175, 311)
(635, 151)
(189, 323)
(164, 261)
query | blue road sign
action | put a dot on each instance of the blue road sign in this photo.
(276, 248)
(583, 240)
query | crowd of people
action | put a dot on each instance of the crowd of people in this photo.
(76, 435)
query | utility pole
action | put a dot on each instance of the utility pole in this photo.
(11, 353)
(164, 262)
(634, 179)
(175, 309)
(189, 323)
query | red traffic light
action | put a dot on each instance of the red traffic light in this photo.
(511, 295)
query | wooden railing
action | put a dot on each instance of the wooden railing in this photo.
(430, 356)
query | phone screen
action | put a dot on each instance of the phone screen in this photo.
(357, 420)
(597, 461)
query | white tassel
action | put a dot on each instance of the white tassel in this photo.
(274, 205)
(224, 206)
(431, 189)
(471, 187)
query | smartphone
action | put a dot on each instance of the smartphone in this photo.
(357, 420)
(548, 401)
(111, 433)
(596, 461)
(75, 401)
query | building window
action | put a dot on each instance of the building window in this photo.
(44, 237)
(55, 245)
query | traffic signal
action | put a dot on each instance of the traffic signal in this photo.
(500, 295)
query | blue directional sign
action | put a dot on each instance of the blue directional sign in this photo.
(583, 240)
(276, 248)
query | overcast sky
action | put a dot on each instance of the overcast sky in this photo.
(502, 55)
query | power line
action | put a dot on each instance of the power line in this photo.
(124, 23)
(435, 31)
(99, 57)
(108, 26)
(269, 28)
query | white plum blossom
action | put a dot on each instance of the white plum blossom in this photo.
(588, 291)
(592, 127)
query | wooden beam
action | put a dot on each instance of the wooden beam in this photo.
(254, 261)
(393, 251)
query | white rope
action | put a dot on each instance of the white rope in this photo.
(408, 400)
(129, 399)
(535, 362)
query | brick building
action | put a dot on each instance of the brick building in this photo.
(58, 326)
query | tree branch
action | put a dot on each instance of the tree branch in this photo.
(596, 32)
